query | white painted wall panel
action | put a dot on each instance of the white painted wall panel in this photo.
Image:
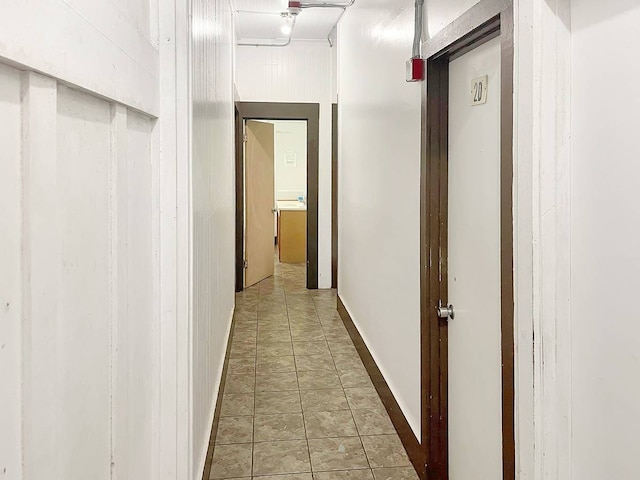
(82, 335)
(213, 210)
(89, 43)
(379, 193)
(11, 276)
(84, 353)
(299, 73)
(136, 338)
(605, 234)
(81, 228)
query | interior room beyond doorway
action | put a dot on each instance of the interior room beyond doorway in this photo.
(290, 218)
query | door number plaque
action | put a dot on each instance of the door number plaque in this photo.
(479, 87)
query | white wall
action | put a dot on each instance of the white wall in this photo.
(213, 203)
(373, 40)
(94, 332)
(299, 73)
(85, 344)
(379, 192)
(290, 144)
(11, 278)
(605, 234)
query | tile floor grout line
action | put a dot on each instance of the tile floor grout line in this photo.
(295, 363)
(255, 382)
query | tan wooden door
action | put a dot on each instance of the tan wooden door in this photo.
(260, 199)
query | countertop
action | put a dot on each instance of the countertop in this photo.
(291, 205)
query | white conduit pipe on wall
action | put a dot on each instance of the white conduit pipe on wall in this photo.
(287, 42)
(335, 25)
(417, 34)
(343, 6)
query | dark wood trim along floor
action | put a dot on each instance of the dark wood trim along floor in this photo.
(334, 195)
(216, 415)
(409, 440)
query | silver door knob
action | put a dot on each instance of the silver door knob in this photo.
(446, 312)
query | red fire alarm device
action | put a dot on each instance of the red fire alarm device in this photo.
(415, 69)
(295, 7)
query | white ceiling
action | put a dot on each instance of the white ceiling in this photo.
(311, 24)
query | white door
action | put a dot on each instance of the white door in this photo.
(475, 381)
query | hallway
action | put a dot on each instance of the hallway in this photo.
(297, 399)
(458, 180)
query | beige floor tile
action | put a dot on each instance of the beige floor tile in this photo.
(278, 402)
(373, 421)
(299, 323)
(363, 397)
(344, 475)
(272, 364)
(337, 454)
(274, 310)
(273, 458)
(385, 451)
(231, 461)
(282, 426)
(270, 325)
(290, 476)
(337, 336)
(245, 312)
(395, 473)
(247, 323)
(276, 382)
(338, 423)
(315, 362)
(241, 365)
(342, 347)
(274, 335)
(236, 404)
(240, 383)
(323, 400)
(245, 334)
(242, 349)
(235, 430)
(302, 311)
(317, 380)
(279, 349)
(319, 347)
(347, 361)
(307, 336)
(355, 377)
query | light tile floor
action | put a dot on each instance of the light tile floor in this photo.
(298, 403)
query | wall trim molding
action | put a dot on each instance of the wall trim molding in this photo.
(126, 71)
(400, 423)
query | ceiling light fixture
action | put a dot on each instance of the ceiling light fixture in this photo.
(286, 29)
(287, 25)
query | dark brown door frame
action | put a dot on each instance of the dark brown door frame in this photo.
(280, 111)
(334, 195)
(486, 20)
